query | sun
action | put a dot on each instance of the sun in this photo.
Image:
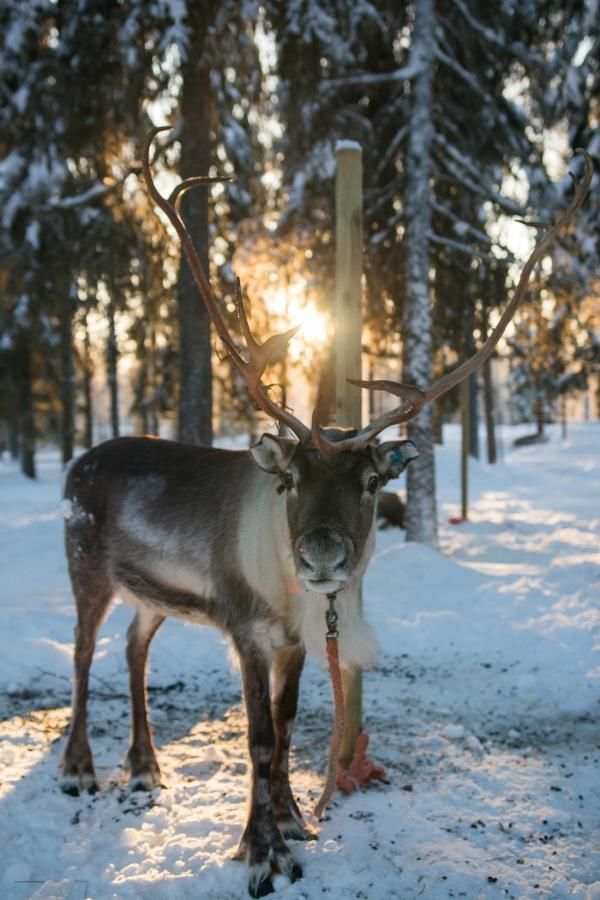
(291, 306)
(314, 331)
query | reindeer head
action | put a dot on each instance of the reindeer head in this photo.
(330, 501)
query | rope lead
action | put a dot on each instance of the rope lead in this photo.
(361, 769)
(333, 661)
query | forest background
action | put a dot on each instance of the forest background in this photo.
(467, 113)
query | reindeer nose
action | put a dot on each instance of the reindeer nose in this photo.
(321, 547)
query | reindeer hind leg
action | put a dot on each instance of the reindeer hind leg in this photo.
(93, 592)
(141, 759)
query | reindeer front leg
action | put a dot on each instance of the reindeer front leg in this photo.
(262, 842)
(286, 671)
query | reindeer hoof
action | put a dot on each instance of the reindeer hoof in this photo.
(144, 781)
(144, 773)
(73, 782)
(260, 883)
(296, 873)
(70, 788)
(287, 865)
(77, 770)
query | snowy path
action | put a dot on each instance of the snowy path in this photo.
(484, 712)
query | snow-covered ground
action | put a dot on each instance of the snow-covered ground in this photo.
(484, 712)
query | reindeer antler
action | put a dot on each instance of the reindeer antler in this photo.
(414, 398)
(259, 355)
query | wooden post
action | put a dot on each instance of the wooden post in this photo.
(464, 455)
(348, 337)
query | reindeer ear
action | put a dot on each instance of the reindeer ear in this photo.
(273, 454)
(392, 457)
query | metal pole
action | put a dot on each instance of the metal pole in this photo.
(348, 331)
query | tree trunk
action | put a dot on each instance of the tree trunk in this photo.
(437, 413)
(13, 416)
(25, 401)
(465, 412)
(67, 389)
(488, 405)
(112, 358)
(152, 386)
(88, 409)
(421, 517)
(539, 412)
(473, 385)
(195, 393)
(473, 417)
(142, 389)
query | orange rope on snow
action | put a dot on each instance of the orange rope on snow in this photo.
(333, 661)
(361, 769)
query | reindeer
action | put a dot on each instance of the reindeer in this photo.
(251, 542)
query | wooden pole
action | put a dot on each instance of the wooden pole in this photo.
(464, 456)
(348, 337)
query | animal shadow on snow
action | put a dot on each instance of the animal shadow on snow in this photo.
(200, 738)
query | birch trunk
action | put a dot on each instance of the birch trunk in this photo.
(195, 395)
(421, 516)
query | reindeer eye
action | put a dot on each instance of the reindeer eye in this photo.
(288, 481)
(373, 484)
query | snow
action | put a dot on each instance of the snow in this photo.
(342, 145)
(482, 711)
(32, 234)
(99, 189)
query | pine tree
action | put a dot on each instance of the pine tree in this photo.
(361, 79)
(421, 518)
(61, 165)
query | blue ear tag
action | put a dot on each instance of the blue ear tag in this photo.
(397, 457)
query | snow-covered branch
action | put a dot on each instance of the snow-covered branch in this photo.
(460, 225)
(515, 48)
(100, 189)
(452, 159)
(467, 249)
(391, 150)
(463, 73)
(371, 79)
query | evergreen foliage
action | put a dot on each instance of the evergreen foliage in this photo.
(467, 114)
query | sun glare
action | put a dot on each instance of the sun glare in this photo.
(292, 307)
